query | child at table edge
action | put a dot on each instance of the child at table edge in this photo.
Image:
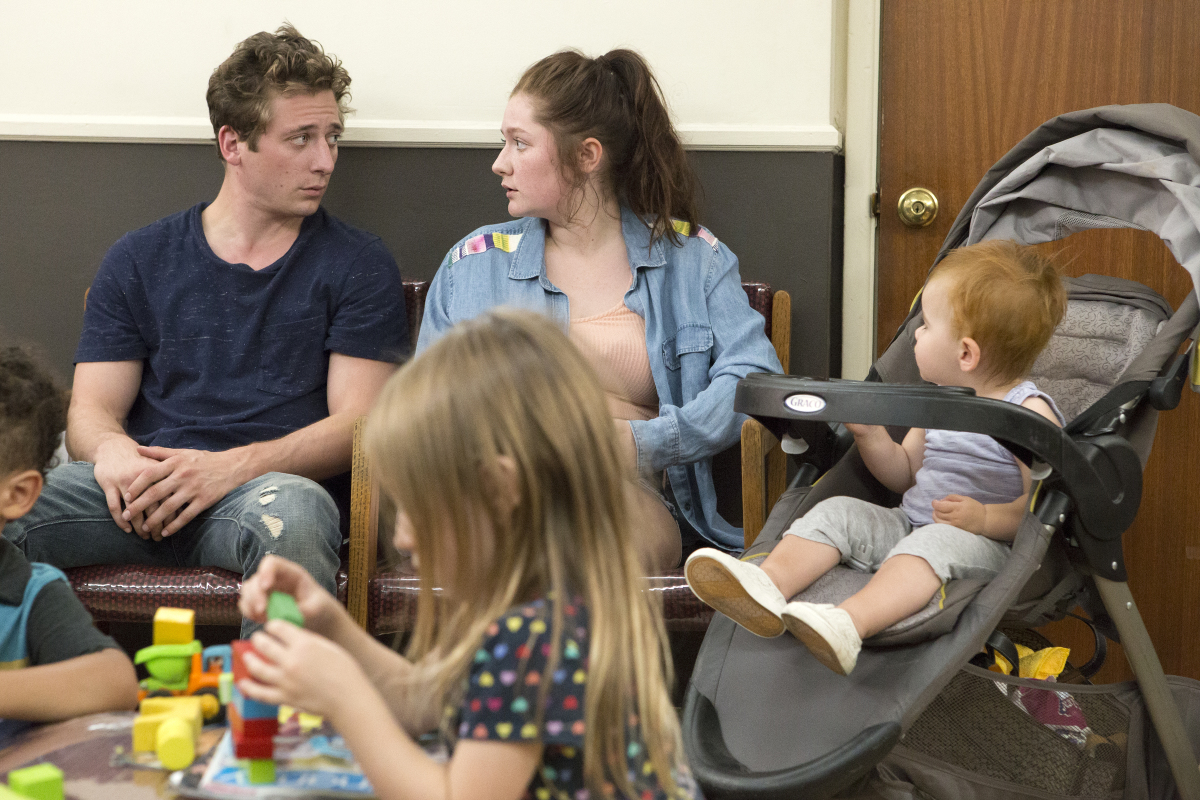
(54, 664)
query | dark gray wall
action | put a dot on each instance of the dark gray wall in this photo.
(63, 204)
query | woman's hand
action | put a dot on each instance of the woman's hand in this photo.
(276, 574)
(303, 669)
(961, 512)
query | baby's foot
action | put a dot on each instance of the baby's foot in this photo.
(828, 632)
(738, 589)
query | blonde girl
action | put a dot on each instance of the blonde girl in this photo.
(541, 654)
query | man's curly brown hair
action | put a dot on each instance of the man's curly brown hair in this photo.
(32, 413)
(265, 66)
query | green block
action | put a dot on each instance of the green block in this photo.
(40, 782)
(283, 606)
(8, 794)
(225, 688)
(260, 770)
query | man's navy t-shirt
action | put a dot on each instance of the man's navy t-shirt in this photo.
(232, 355)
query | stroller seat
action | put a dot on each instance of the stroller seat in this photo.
(762, 717)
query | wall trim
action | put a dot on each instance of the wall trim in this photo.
(860, 250)
(393, 133)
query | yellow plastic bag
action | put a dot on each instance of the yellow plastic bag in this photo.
(1039, 665)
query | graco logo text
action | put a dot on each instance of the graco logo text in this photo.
(805, 403)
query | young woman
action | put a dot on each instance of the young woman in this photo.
(609, 246)
(541, 654)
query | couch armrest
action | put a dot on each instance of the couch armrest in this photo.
(764, 477)
(364, 528)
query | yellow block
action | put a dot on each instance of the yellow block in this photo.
(175, 744)
(191, 708)
(210, 706)
(174, 625)
(145, 731)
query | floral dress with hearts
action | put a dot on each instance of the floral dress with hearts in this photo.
(505, 683)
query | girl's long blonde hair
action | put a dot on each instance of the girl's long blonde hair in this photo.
(509, 383)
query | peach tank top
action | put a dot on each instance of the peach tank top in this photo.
(615, 344)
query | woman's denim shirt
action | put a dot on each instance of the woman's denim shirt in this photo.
(702, 336)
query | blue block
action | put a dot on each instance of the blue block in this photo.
(252, 709)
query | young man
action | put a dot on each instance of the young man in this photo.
(227, 349)
(54, 664)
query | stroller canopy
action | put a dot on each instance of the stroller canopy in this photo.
(1134, 166)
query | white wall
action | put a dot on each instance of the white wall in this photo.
(752, 74)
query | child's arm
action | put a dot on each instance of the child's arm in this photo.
(997, 521)
(101, 681)
(386, 669)
(304, 670)
(894, 465)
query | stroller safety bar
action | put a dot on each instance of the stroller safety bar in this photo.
(1101, 474)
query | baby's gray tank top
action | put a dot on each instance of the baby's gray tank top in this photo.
(970, 464)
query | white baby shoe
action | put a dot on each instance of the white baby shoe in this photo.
(828, 632)
(738, 589)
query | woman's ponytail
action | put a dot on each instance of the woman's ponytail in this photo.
(616, 99)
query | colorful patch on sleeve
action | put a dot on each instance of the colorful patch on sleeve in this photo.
(507, 242)
(685, 229)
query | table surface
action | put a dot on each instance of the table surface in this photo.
(87, 750)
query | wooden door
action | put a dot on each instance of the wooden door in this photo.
(962, 81)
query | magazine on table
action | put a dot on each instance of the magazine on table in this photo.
(315, 764)
(305, 766)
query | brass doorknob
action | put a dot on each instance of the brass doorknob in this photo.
(917, 207)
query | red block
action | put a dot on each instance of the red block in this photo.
(252, 728)
(253, 747)
(241, 647)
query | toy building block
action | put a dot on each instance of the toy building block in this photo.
(252, 728)
(169, 726)
(252, 709)
(240, 647)
(155, 711)
(174, 625)
(281, 605)
(190, 708)
(8, 794)
(210, 705)
(174, 743)
(254, 748)
(260, 770)
(253, 724)
(253, 737)
(225, 688)
(247, 708)
(39, 782)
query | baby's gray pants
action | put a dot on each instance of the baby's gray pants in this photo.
(870, 534)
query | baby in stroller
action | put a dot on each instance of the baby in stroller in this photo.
(989, 310)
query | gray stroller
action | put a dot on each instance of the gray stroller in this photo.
(764, 719)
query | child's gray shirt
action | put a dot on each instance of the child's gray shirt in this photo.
(968, 464)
